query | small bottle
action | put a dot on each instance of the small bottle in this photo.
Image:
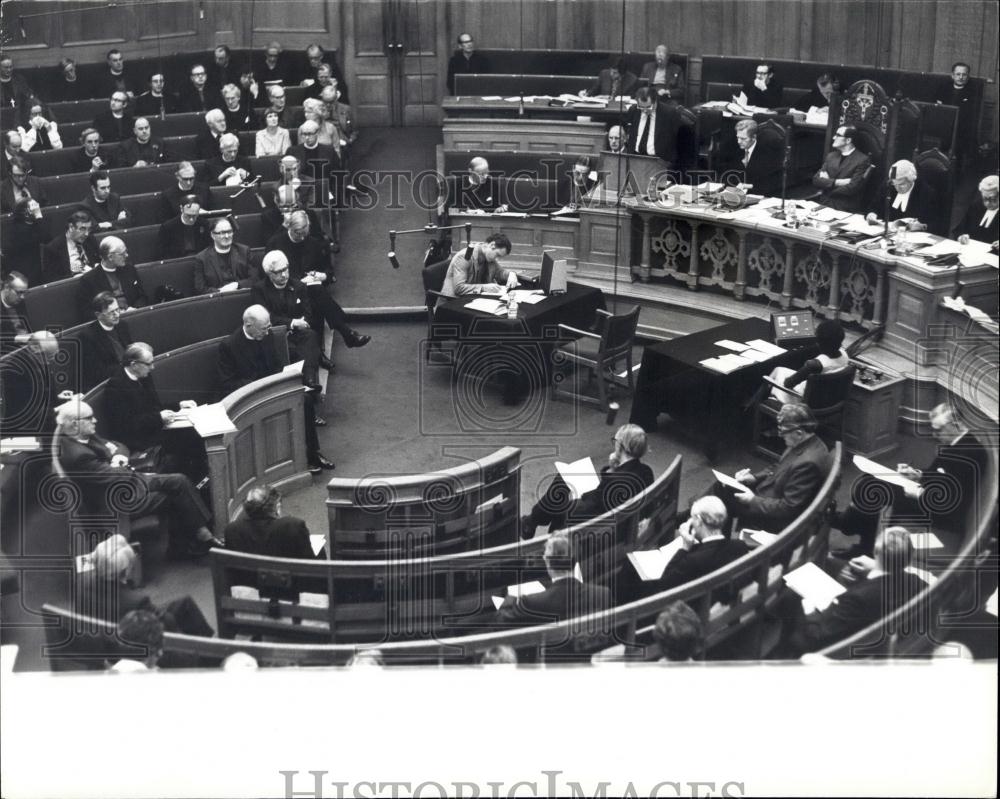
(512, 308)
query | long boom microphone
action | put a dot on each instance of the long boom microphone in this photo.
(391, 255)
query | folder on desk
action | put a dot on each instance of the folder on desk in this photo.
(650, 564)
(211, 420)
(487, 305)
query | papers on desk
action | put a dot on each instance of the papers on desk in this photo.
(491, 98)
(829, 215)
(20, 444)
(317, 541)
(530, 296)
(976, 315)
(518, 591)
(925, 541)
(293, 368)
(817, 116)
(735, 346)
(707, 187)
(767, 347)
(724, 364)
(817, 588)
(885, 474)
(756, 355)
(761, 537)
(580, 476)
(920, 237)
(857, 224)
(650, 564)
(211, 420)
(84, 563)
(8, 656)
(732, 482)
(489, 503)
(487, 305)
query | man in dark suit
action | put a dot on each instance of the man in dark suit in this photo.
(878, 587)
(116, 78)
(843, 174)
(186, 233)
(29, 391)
(764, 91)
(97, 465)
(652, 127)
(962, 95)
(262, 530)
(911, 202)
(980, 221)
(21, 185)
(465, 61)
(565, 598)
(104, 206)
(249, 354)
(227, 167)
(15, 329)
(706, 547)
(614, 81)
(115, 122)
(758, 165)
(137, 418)
(665, 79)
(196, 94)
(114, 274)
(624, 477)
(102, 342)
(157, 101)
(773, 498)
(206, 143)
(224, 265)
(142, 149)
(946, 490)
(316, 160)
(286, 200)
(288, 116)
(73, 253)
(91, 155)
(819, 96)
(476, 190)
(170, 198)
(275, 70)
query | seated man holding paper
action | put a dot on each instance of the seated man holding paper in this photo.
(878, 586)
(138, 419)
(980, 221)
(943, 493)
(578, 494)
(773, 498)
(477, 270)
(912, 204)
(702, 545)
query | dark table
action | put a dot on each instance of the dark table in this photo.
(673, 380)
(518, 350)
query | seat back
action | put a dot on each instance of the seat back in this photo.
(771, 134)
(619, 332)
(433, 277)
(936, 171)
(828, 390)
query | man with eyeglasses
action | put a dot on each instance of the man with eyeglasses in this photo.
(156, 102)
(97, 465)
(73, 253)
(187, 184)
(652, 127)
(103, 341)
(21, 185)
(186, 233)
(116, 275)
(196, 95)
(115, 122)
(251, 353)
(288, 117)
(844, 173)
(142, 149)
(465, 61)
(228, 167)
(224, 265)
(764, 91)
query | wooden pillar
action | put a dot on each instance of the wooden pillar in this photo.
(833, 301)
(694, 266)
(879, 295)
(786, 291)
(739, 287)
(646, 257)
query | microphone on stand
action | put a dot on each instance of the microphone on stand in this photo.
(888, 200)
(391, 255)
(784, 177)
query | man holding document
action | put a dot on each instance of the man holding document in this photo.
(578, 493)
(481, 273)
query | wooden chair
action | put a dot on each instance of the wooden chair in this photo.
(825, 394)
(600, 353)
(433, 277)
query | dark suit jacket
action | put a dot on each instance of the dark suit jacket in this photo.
(675, 79)
(970, 223)
(189, 101)
(463, 195)
(95, 281)
(171, 238)
(206, 144)
(214, 167)
(863, 604)
(782, 493)
(31, 183)
(458, 64)
(146, 105)
(274, 222)
(133, 408)
(628, 83)
(98, 360)
(285, 304)
(305, 256)
(287, 537)
(769, 98)
(170, 199)
(316, 163)
(21, 242)
(963, 465)
(854, 167)
(617, 487)
(111, 128)
(240, 119)
(13, 322)
(89, 467)
(242, 361)
(564, 599)
(107, 211)
(208, 269)
(702, 559)
(815, 99)
(105, 84)
(55, 257)
(152, 152)
(28, 394)
(84, 163)
(763, 170)
(665, 135)
(920, 206)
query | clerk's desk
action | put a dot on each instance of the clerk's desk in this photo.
(531, 107)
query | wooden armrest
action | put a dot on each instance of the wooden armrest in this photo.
(577, 331)
(776, 384)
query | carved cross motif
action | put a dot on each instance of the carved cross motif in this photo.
(672, 245)
(859, 287)
(720, 251)
(814, 272)
(765, 260)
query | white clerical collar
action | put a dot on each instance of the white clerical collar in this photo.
(104, 327)
(223, 252)
(132, 377)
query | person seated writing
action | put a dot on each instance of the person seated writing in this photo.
(980, 221)
(477, 191)
(624, 476)
(482, 273)
(818, 98)
(911, 205)
(829, 337)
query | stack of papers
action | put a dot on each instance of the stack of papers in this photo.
(580, 476)
(767, 347)
(817, 588)
(650, 564)
(857, 224)
(885, 474)
(518, 591)
(725, 364)
(211, 420)
(487, 305)
(20, 444)
(526, 295)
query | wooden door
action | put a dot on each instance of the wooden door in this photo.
(391, 61)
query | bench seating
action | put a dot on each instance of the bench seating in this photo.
(513, 85)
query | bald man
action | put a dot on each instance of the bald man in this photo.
(115, 274)
(477, 190)
(142, 149)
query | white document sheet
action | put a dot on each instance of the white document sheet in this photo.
(726, 480)
(580, 476)
(519, 590)
(925, 541)
(487, 305)
(885, 473)
(817, 588)
(211, 420)
(650, 564)
(766, 346)
(735, 346)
